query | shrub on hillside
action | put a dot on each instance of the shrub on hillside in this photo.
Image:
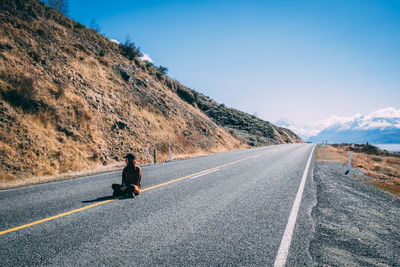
(79, 26)
(370, 149)
(40, 32)
(149, 65)
(61, 87)
(125, 75)
(186, 95)
(129, 50)
(21, 92)
(163, 70)
(159, 75)
(83, 49)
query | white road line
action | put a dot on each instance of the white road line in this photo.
(283, 251)
(203, 174)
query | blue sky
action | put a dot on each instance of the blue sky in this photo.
(304, 60)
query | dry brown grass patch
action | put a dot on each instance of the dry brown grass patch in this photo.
(329, 153)
(384, 171)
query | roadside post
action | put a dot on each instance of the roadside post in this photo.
(350, 157)
(169, 150)
(155, 158)
(148, 154)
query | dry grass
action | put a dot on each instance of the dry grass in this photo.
(73, 99)
(383, 171)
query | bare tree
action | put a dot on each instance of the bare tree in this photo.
(94, 25)
(59, 5)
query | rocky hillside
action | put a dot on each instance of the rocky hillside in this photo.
(70, 99)
(241, 125)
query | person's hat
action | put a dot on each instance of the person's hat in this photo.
(129, 156)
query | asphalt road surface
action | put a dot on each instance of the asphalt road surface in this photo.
(225, 209)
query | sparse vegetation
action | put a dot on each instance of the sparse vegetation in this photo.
(365, 148)
(159, 75)
(129, 50)
(61, 6)
(21, 90)
(148, 65)
(252, 130)
(163, 70)
(382, 167)
(78, 26)
(40, 32)
(59, 104)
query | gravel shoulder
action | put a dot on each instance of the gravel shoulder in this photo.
(355, 223)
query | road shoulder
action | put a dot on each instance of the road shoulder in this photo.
(355, 223)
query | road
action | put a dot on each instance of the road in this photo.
(224, 209)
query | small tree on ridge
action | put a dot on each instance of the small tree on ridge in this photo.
(59, 5)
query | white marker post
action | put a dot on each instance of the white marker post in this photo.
(350, 157)
(148, 154)
(169, 149)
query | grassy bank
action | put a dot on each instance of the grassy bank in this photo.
(383, 168)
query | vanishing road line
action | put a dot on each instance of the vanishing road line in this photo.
(145, 189)
(283, 251)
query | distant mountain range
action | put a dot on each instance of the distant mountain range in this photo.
(375, 131)
(379, 127)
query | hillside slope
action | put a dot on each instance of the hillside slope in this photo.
(70, 99)
(241, 125)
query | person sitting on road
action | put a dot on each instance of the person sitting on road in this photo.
(131, 178)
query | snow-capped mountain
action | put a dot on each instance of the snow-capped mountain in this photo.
(379, 127)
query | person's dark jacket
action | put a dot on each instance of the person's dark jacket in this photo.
(132, 175)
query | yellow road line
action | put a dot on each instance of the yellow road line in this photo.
(53, 217)
(106, 201)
